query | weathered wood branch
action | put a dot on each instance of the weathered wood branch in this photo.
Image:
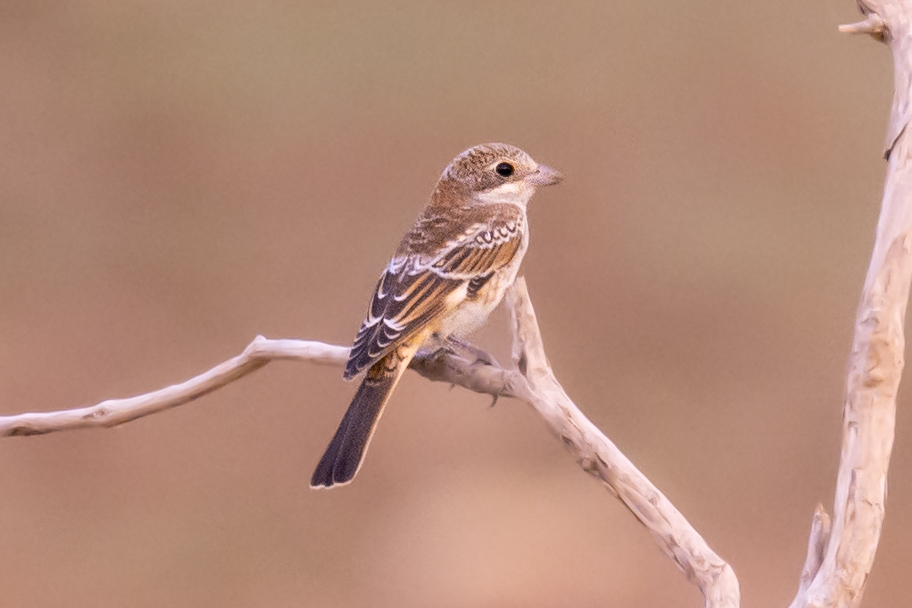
(114, 412)
(599, 457)
(841, 548)
(441, 366)
(841, 552)
(532, 381)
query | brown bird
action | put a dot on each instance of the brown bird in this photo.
(449, 272)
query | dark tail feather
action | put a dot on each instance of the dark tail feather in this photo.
(345, 452)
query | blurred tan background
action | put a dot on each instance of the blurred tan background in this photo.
(177, 177)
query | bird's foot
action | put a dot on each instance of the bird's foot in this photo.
(470, 351)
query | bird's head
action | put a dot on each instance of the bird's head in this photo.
(495, 173)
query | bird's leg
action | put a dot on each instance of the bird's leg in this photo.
(465, 348)
(437, 350)
(481, 356)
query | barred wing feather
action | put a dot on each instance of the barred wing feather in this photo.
(416, 290)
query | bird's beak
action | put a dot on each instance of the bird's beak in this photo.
(545, 176)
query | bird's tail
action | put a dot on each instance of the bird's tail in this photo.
(345, 453)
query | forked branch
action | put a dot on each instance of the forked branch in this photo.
(532, 381)
(841, 552)
(840, 549)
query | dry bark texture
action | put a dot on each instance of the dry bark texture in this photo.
(841, 553)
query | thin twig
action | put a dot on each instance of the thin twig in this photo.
(445, 367)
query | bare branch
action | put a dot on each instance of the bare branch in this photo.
(841, 549)
(533, 383)
(445, 367)
(118, 411)
(876, 361)
(599, 457)
(872, 25)
(817, 544)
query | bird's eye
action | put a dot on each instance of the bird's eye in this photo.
(504, 169)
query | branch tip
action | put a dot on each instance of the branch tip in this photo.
(873, 25)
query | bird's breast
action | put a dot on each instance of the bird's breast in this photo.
(474, 307)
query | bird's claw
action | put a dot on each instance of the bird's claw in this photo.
(481, 356)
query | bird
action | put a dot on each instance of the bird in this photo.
(448, 274)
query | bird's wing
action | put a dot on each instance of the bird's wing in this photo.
(417, 289)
